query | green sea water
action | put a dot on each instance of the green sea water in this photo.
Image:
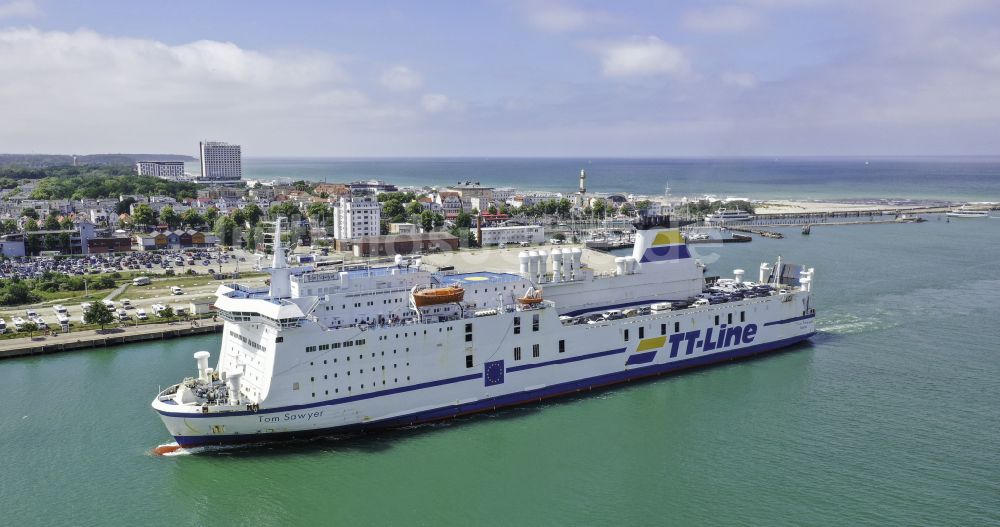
(890, 416)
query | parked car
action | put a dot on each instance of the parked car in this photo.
(176, 290)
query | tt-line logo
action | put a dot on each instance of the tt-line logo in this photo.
(726, 337)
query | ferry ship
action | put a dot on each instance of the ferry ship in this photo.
(321, 352)
(727, 216)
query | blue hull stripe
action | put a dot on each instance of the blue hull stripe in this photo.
(790, 320)
(566, 360)
(331, 402)
(493, 403)
(641, 358)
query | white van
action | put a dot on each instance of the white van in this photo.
(141, 280)
(176, 290)
(141, 314)
(108, 304)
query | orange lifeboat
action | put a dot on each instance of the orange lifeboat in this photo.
(438, 295)
(531, 297)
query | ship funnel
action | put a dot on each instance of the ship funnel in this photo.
(525, 263)
(557, 260)
(765, 271)
(281, 286)
(543, 264)
(738, 274)
(532, 265)
(234, 386)
(202, 358)
(577, 255)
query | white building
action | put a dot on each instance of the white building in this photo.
(404, 228)
(160, 169)
(355, 217)
(512, 234)
(220, 161)
(501, 195)
(106, 216)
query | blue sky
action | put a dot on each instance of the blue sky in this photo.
(503, 78)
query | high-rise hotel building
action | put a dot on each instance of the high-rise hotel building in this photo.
(220, 161)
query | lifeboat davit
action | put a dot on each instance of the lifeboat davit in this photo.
(531, 297)
(438, 295)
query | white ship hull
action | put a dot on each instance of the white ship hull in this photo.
(430, 381)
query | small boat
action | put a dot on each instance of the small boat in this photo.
(438, 295)
(807, 228)
(965, 212)
(531, 297)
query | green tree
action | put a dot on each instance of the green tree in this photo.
(124, 205)
(30, 213)
(211, 214)
(287, 209)
(98, 313)
(227, 230)
(167, 313)
(171, 218)
(559, 236)
(143, 215)
(30, 327)
(427, 221)
(415, 207)
(67, 224)
(8, 226)
(253, 214)
(192, 219)
(492, 209)
(317, 211)
(31, 225)
(438, 221)
(463, 220)
(33, 243)
(52, 223)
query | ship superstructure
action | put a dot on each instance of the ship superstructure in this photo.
(322, 352)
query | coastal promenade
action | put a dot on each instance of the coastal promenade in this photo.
(80, 340)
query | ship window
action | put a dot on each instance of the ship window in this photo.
(626, 335)
(323, 347)
(677, 327)
(310, 349)
(535, 350)
(534, 322)
(468, 337)
(729, 318)
(517, 354)
(642, 332)
(468, 361)
(562, 346)
(716, 320)
(517, 325)
(663, 329)
(468, 327)
(743, 316)
(279, 339)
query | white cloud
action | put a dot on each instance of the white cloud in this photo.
(436, 102)
(559, 17)
(19, 9)
(401, 79)
(740, 80)
(721, 19)
(641, 56)
(61, 87)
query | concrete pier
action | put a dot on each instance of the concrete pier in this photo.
(80, 340)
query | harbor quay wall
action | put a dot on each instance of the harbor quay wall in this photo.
(82, 341)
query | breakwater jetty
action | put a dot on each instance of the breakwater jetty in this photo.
(82, 340)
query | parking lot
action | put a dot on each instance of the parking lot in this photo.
(166, 262)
